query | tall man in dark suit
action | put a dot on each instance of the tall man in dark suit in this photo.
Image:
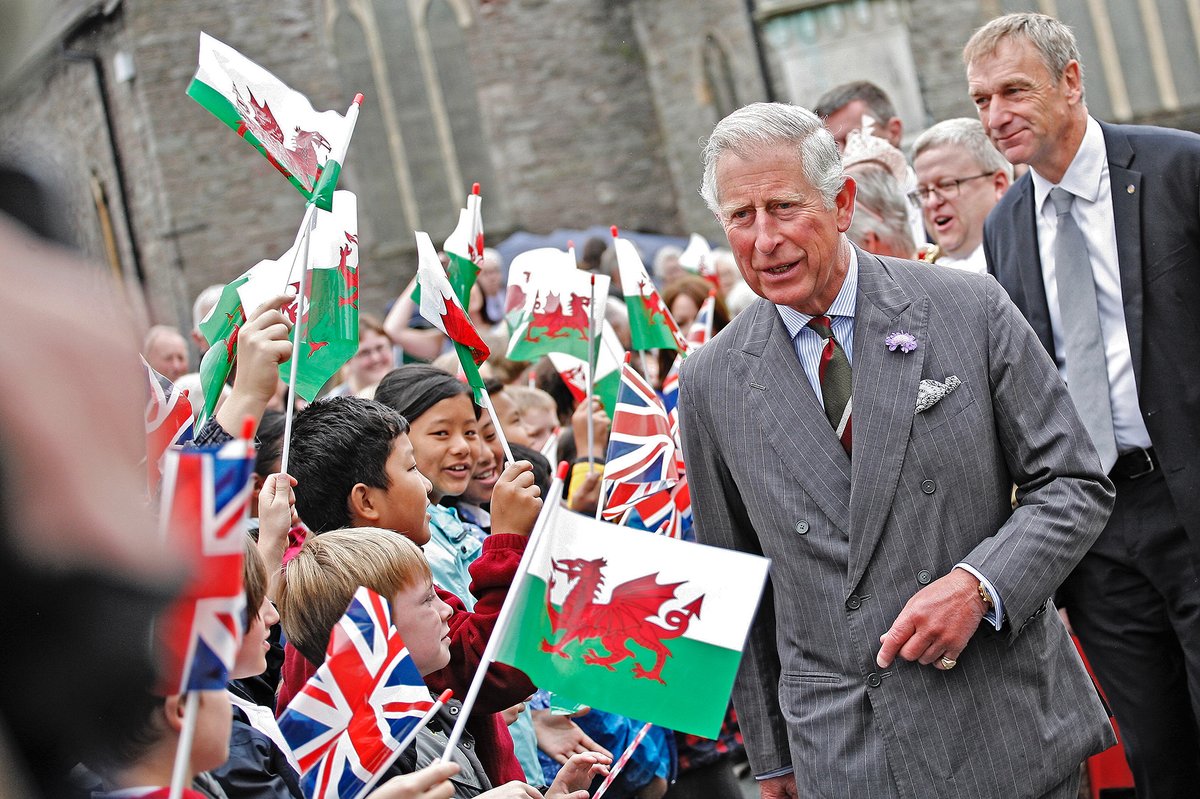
(862, 425)
(1099, 246)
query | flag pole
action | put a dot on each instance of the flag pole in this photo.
(183, 751)
(622, 760)
(297, 336)
(553, 497)
(306, 231)
(404, 744)
(591, 436)
(491, 409)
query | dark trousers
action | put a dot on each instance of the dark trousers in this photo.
(1134, 602)
(713, 781)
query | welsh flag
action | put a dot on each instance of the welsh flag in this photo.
(306, 146)
(525, 272)
(555, 316)
(698, 260)
(651, 325)
(331, 311)
(631, 622)
(442, 309)
(464, 248)
(574, 371)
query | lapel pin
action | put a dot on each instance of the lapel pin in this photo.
(901, 340)
(1130, 188)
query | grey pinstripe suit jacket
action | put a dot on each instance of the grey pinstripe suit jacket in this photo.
(852, 542)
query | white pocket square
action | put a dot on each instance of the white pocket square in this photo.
(931, 392)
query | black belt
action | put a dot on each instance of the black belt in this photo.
(1134, 464)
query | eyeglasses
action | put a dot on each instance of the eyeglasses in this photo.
(946, 189)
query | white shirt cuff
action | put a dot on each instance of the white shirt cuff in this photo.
(995, 616)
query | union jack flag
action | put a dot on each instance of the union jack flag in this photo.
(701, 329)
(641, 448)
(204, 509)
(168, 421)
(364, 705)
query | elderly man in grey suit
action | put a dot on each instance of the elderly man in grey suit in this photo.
(862, 425)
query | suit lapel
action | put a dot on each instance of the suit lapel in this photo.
(1126, 186)
(885, 392)
(1028, 262)
(792, 418)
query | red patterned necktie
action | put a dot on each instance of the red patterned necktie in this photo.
(835, 380)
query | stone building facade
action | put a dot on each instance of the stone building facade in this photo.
(569, 112)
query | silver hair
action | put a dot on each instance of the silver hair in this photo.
(760, 125)
(205, 301)
(967, 134)
(880, 208)
(1054, 41)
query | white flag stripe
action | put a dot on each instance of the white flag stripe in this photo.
(730, 581)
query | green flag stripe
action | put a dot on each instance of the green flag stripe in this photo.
(645, 334)
(698, 676)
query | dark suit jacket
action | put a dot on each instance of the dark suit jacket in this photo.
(1155, 176)
(851, 541)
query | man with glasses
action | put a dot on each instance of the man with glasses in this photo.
(960, 178)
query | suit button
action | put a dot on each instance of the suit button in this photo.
(802, 527)
(928, 486)
(873, 680)
(924, 577)
(466, 744)
(454, 710)
(854, 602)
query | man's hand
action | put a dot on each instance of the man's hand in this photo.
(262, 346)
(937, 622)
(560, 738)
(515, 500)
(431, 782)
(782, 787)
(600, 425)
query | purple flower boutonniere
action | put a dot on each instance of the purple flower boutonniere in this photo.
(900, 340)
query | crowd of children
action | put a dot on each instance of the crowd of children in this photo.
(398, 482)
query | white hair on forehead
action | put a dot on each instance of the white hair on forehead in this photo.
(761, 125)
(967, 134)
(205, 301)
(492, 255)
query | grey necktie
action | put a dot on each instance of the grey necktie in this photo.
(1087, 369)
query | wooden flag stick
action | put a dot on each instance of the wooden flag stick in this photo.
(297, 335)
(591, 376)
(553, 496)
(491, 409)
(183, 751)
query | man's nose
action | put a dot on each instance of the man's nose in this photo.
(766, 234)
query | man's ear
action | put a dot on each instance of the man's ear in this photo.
(895, 131)
(362, 504)
(1000, 183)
(173, 712)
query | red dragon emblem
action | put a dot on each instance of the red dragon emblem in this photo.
(626, 617)
(654, 307)
(301, 160)
(548, 313)
(348, 274)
